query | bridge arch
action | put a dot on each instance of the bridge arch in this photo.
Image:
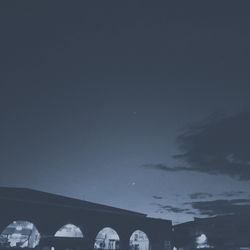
(20, 233)
(107, 238)
(201, 241)
(139, 240)
(69, 230)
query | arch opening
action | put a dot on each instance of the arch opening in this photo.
(107, 239)
(20, 234)
(201, 241)
(69, 230)
(139, 241)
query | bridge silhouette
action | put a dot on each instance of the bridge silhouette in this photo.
(48, 216)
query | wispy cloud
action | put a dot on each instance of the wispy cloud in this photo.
(157, 197)
(169, 208)
(200, 195)
(163, 167)
(219, 145)
(233, 193)
(221, 207)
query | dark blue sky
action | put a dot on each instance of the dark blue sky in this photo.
(144, 107)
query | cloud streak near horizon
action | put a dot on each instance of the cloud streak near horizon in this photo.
(222, 207)
(208, 208)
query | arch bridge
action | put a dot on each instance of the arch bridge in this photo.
(35, 219)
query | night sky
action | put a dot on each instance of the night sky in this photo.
(143, 107)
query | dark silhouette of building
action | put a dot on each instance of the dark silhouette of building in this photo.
(60, 222)
(220, 232)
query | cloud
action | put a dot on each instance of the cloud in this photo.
(208, 208)
(222, 207)
(200, 195)
(163, 167)
(170, 208)
(232, 193)
(157, 197)
(219, 145)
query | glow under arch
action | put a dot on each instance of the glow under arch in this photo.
(20, 234)
(107, 238)
(139, 241)
(69, 230)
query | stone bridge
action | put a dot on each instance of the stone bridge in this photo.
(49, 213)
